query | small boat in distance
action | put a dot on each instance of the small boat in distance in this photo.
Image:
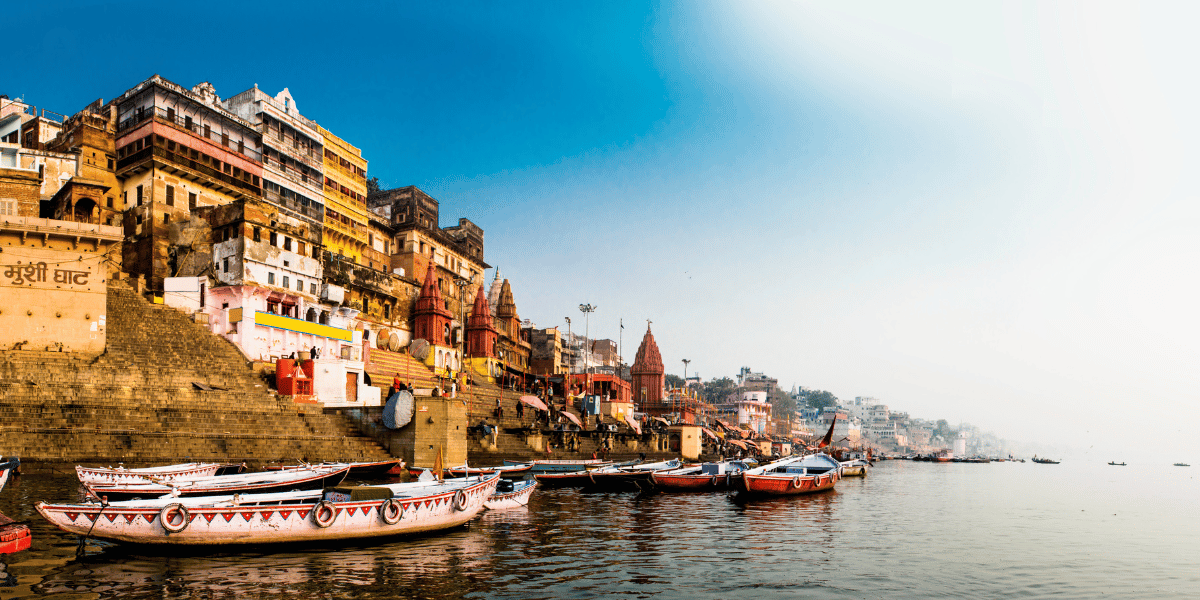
(1182, 465)
(1117, 464)
(1044, 461)
(510, 494)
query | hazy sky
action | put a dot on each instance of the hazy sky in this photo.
(976, 211)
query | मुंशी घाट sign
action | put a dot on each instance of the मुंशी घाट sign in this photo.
(32, 273)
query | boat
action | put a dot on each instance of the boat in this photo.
(705, 477)
(1045, 461)
(561, 466)
(510, 494)
(517, 470)
(1117, 464)
(346, 513)
(855, 468)
(313, 478)
(358, 470)
(168, 473)
(793, 475)
(1182, 465)
(609, 478)
(7, 468)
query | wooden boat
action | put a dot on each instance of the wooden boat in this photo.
(7, 468)
(358, 470)
(511, 494)
(517, 470)
(855, 468)
(610, 478)
(302, 516)
(704, 477)
(1044, 461)
(168, 473)
(562, 466)
(313, 478)
(14, 537)
(793, 475)
(1117, 464)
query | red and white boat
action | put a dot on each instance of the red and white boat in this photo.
(511, 494)
(312, 478)
(304, 516)
(563, 465)
(516, 470)
(168, 473)
(793, 475)
(358, 470)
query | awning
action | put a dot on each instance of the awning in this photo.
(534, 401)
(571, 416)
(663, 421)
(727, 426)
(633, 425)
(741, 445)
(710, 434)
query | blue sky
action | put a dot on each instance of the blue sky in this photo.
(973, 211)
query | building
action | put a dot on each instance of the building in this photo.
(345, 192)
(177, 149)
(547, 351)
(456, 252)
(756, 382)
(481, 351)
(92, 195)
(648, 375)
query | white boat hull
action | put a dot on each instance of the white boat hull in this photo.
(243, 521)
(168, 474)
(515, 499)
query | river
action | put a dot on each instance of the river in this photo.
(908, 530)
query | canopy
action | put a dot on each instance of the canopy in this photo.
(663, 421)
(571, 416)
(633, 425)
(534, 401)
(710, 434)
(727, 426)
(739, 444)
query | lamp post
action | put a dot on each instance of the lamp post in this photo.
(587, 310)
(462, 319)
(685, 364)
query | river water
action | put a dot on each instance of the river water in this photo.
(908, 530)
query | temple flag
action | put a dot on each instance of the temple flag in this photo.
(828, 439)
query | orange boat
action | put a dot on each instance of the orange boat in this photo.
(793, 475)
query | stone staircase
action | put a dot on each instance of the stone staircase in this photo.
(165, 390)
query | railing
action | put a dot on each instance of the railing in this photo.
(207, 171)
(284, 148)
(180, 122)
(312, 210)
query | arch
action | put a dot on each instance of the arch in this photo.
(311, 315)
(323, 318)
(82, 212)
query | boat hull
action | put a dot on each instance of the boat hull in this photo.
(784, 485)
(696, 483)
(14, 537)
(517, 498)
(563, 466)
(171, 473)
(297, 522)
(855, 471)
(215, 487)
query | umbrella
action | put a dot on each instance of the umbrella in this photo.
(534, 401)
(571, 416)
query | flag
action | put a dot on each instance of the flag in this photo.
(437, 464)
(828, 439)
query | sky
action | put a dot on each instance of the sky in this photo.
(978, 212)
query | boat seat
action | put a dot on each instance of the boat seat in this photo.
(357, 493)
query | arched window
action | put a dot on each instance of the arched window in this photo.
(311, 316)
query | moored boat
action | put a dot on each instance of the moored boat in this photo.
(704, 477)
(1117, 464)
(14, 537)
(1044, 461)
(609, 478)
(358, 470)
(510, 494)
(855, 468)
(793, 475)
(515, 470)
(7, 468)
(301, 516)
(1182, 465)
(561, 466)
(313, 478)
(167, 473)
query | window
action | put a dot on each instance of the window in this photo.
(287, 243)
(271, 280)
(170, 195)
(299, 247)
(241, 146)
(139, 195)
(207, 131)
(225, 265)
(124, 199)
(139, 219)
(192, 200)
(312, 289)
(110, 201)
(258, 234)
(285, 281)
(274, 239)
(171, 114)
(187, 122)
(166, 218)
(299, 285)
(8, 207)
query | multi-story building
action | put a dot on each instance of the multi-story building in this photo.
(345, 190)
(177, 149)
(93, 195)
(756, 382)
(456, 252)
(292, 154)
(546, 354)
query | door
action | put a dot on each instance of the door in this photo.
(351, 387)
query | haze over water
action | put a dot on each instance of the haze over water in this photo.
(909, 530)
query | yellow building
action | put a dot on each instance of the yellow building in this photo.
(346, 218)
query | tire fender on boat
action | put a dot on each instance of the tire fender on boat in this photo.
(324, 513)
(796, 482)
(460, 500)
(715, 478)
(391, 511)
(164, 517)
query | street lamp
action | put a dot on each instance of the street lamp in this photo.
(587, 310)
(462, 320)
(685, 364)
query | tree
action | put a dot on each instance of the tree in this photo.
(673, 381)
(944, 430)
(782, 403)
(820, 399)
(717, 390)
(373, 186)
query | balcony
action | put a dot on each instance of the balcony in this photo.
(187, 168)
(181, 123)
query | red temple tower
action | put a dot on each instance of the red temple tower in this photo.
(481, 334)
(648, 374)
(431, 319)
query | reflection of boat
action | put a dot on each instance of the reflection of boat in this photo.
(313, 478)
(793, 475)
(610, 478)
(304, 516)
(510, 494)
(701, 478)
(168, 473)
(562, 466)
(507, 470)
(1117, 464)
(1182, 465)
